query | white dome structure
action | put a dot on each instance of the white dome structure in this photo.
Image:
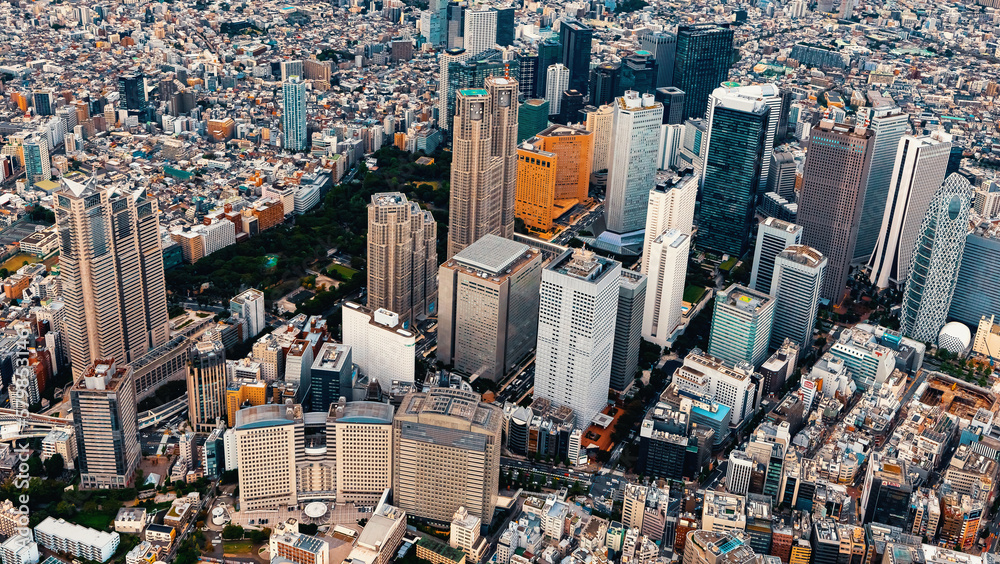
(955, 337)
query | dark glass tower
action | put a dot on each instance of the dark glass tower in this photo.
(663, 46)
(604, 86)
(732, 171)
(528, 60)
(132, 91)
(672, 99)
(639, 73)
(704, 55)
(505, 26)
(549, 53)
(570, 106)
(576, 38)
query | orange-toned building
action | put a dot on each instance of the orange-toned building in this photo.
(221, 129)
(269, 213)
(534, 199)
(553, 174)
(574, 148)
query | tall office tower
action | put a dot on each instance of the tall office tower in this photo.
(976, 293)
(600, 121)
(527, 61)
(576, 39)
(604, 83)
(132, 91)
(671, 140)
(781, 174)
(936, 257)
(104, 420)
(638, 72)
(331, 376)
(628, 329)
(672, 99)
(632, 168)
(484, 166)
(576, 332)
(833, 190)
(451, 429)
(741, 325)
(293, 115)
(112, 273)
(556, 82)
(535, 203)
(290, 69)
(574, 149)
(663, 46)
(671, 206)
(489, 307)
(549, 53)
(570, 107)
(445, 60)
(480, 30)
(741, 466)
(886, 494)
(359, 435)
(667, 268)
(916, 176)
(44, 102)
(986, 202)
(704, 56)
(739, 120)
(889, 124)
(532, 117)
(505, 26)
(456, 25)
(249, 305)
(798, 277)
(206, 386)
(381, 348)
(693, 149)
(402, 242)
(773, 236)
(434, 22)
(265, 438)
(37, 166)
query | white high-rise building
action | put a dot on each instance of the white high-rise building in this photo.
(671, 139)
(293, 114)
(798, 279)
(556, 82)
(576, 332)
(381, 348)
(249, 305)
(671, 206)
(773, 236)
(738, 473)
(632, 170)
(917, 173)
(668, 256)
(601, 121)
(265, 449)
(480, 30)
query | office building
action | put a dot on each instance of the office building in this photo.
(480, 30)
(663, 46)
(132, 91)
(741, 465)
(987, 200)
(465, 535)
(833, 185)
(381, 348)
(740, 137)
(798, 278)
(489, 307)
(869, 362)
(60, 536)
(987, 342)
(938, 249)
(576, 331)
(889, 124)
(916, 175)
(671, 141)
(668, 258)
(672, 99)
(741, 325)
(37, 166)
(113, 287)
(556, 82)
(297, 548)
(570, 107)
(632, 168)
(359, 438)
(104, 420)
(707, 376)
(379, 542)
(249, 305)
(291, 68)
(722, 512)
(628, 329)
(331, 376)
(576, 39)
(532, 117)
(206, 385)
(265, 438)
(446, 428)
(885, 497)
(550, 52)
(773, 236)
(976, 293)
(703, 57)
(781, 174)
(293, 114)
(535, 202)
(605, 83)
(44, 102)
(402, 257)
(600, 122)
(638, 72)
(483, 171)
(671, 206)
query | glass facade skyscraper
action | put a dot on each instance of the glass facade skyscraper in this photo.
(704, 55)
(549, 53)
(293, 114)
(576, 39)
(976, 290)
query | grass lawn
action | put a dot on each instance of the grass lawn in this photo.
(96, 520)
(17, 261)
(729, 264)
(237, 547)
(693, 293)
(345, 272)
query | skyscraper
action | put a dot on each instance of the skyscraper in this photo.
(600, 121)
(741, 325)
(936, 256)
(604, 84)
(886, 494)
(480, 30)
(671, 206)
(104, 420)
(402, 257)
(889, 124)
(833, 190)
(798, 277)
(112, 273)
(550, 52)
(628, 329)
(553, 174)
(781, 174)
(532, 117)
(249, 305)
(738, 125)
(704, 56)
(576, 41)
(505, 26)
(576, 332)
(489, 306)
(266, 455)
(976, 293)
(632, 168)
(44, 102)
(293, 114)
(663, 46)
(206, 385)
(672, 99)
(556, 82)
(132, 91)
(773, 236)
(917, 173)
(483, 171)
(667, 268)
(37, 166)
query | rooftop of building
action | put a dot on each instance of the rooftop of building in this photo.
(269, 415)
(332, 356)
(371, 412)
(493, 256)
(388, 198)
(743, 299)
(557, 130)
(582, 264)
(804, 255)
(73, 532)
(458, 405)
